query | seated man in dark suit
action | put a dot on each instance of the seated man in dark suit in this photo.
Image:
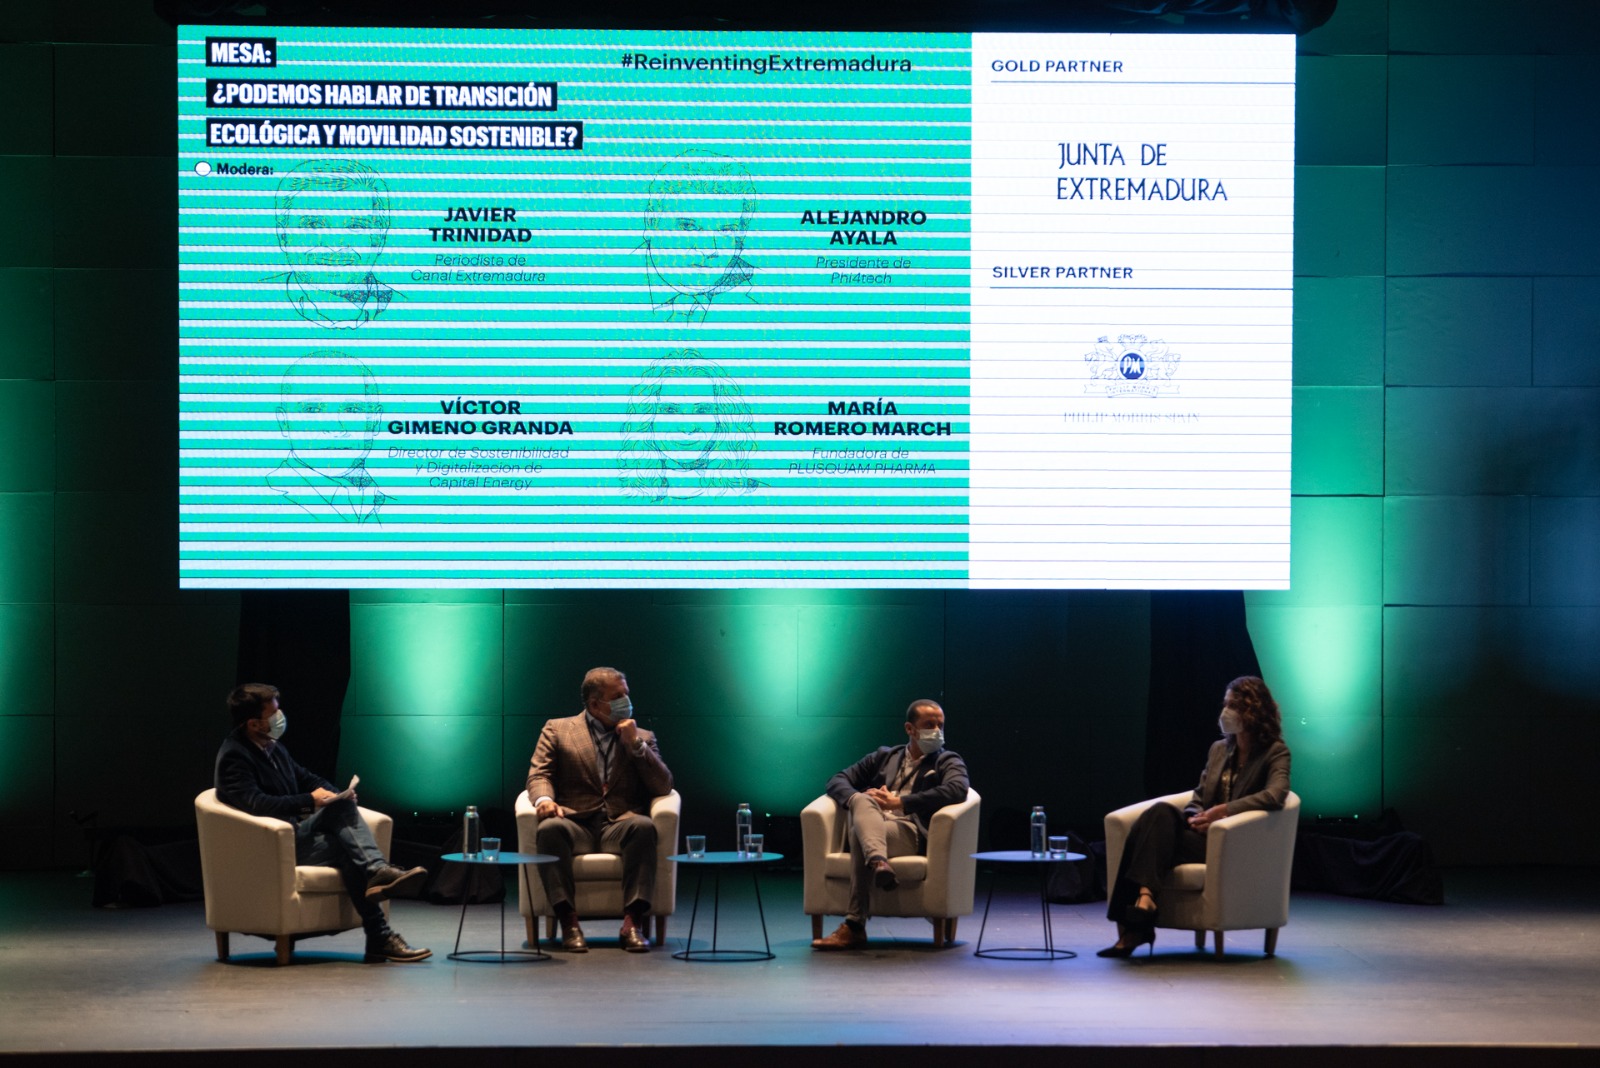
(591, 782)
(890, 794)
(256, 774)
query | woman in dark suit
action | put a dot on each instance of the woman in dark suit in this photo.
(1248, 769)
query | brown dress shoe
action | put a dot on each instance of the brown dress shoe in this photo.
(392, 947)
(630, 937)
(883, 876)
(572, 939)
(389, 880)
(844, 937)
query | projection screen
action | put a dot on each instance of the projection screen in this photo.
(667, 309)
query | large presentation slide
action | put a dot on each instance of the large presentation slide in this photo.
(668, 309)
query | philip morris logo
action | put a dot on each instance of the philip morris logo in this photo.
(1132, 365)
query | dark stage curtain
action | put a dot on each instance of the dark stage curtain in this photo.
(299, 641)
(1198, 644)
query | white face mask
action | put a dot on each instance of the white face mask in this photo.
(1229, 722)
(621, 708)
(930, 741)
(276, 725)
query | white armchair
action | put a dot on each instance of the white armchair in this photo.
(254, 887)
(597, 877)
(938, 886)
(1243, 885)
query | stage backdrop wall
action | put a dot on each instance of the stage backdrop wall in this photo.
(1438, 644)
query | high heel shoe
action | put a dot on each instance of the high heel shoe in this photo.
(1131, 940)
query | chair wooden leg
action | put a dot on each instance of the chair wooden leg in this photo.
(950, 930)
(661, 930)
(1200, 940)
(938, 932)
(531, 926)
(816, 928)
(222, 945)
(1219, 943)
(284, 944)
(550, 927)
(1272, 941)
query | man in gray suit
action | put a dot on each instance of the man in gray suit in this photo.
(890, 794)
(591, 781)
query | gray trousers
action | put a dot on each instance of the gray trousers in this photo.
(630, 836)
(873, 836)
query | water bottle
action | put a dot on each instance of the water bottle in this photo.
(741, 827)
(471, 833)
(1036, 831)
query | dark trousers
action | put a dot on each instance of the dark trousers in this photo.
(631, 836)
(337, 836)
(1160, 840)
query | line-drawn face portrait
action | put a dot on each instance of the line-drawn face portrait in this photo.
(328, 411)
(333, 222)
(696, 224)
(690, 431)
(684, 420)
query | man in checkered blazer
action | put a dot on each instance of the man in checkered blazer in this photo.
(591, 781)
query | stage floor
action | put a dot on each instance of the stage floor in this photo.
(1513, 959)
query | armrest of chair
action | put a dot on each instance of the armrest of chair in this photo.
(381, 826)
(527, 824)
(1249, 857)
(246, 865)
(530, 896)
(1121, 821)
(820, 824)
(238, 841)
(665, 811)
(821, 827)
(952, 873)
(953, 832)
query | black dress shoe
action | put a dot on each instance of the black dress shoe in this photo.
(390, 880)
(572, 939)
(1131, 940)
(631, 938)
(392, 947)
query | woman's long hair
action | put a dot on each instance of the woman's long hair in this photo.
(1254, 703)
(642, 468)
